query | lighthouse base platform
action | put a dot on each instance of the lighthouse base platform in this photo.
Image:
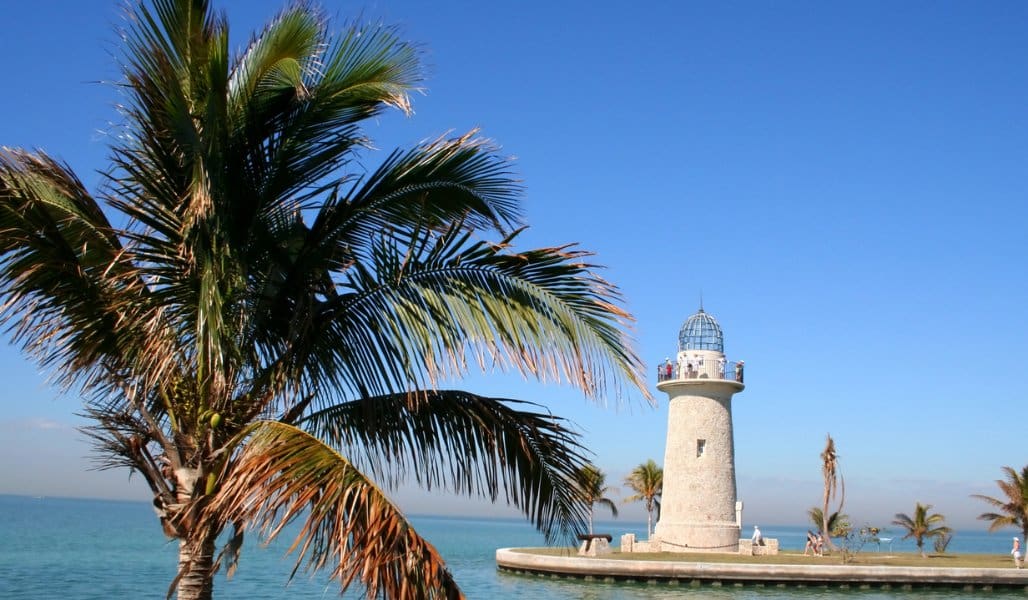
(629, 545)
(554, 563)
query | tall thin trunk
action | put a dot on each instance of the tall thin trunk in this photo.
(649, 522)
(195, 562)
(824, 523)
(590, 520)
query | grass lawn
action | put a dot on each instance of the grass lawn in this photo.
(895, 559)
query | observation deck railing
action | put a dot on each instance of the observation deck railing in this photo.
(727, 371)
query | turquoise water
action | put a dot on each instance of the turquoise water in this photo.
(98, 549)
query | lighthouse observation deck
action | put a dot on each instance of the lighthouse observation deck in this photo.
(707, 369)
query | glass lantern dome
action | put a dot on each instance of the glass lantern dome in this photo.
(701, 332)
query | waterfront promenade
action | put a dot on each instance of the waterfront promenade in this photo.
(758, 573)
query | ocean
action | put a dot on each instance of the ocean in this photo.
(64, 548)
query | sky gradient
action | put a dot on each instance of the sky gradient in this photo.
(843, 183)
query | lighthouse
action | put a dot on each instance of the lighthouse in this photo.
(699, 511)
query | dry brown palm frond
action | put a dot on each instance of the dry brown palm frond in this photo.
(497, 448)
(349, 526)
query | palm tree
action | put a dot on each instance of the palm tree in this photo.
(647, 481)
(262, 332)
(1012, 509)
(592, 490)
(833, 487)
(838, 523)
(922, 525)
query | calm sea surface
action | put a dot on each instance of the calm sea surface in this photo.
(84, 549)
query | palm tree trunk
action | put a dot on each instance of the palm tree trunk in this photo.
(590, 520)
(649, 523)
(195, 562)
(824, 524)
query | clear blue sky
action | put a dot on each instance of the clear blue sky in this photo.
(845, 184)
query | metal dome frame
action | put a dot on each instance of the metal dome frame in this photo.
(701, 332)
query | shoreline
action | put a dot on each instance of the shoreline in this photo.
(759, 574)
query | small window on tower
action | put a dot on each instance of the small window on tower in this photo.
(701, 445)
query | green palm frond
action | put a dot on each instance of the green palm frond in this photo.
(592, 487)
(1012, 506)
(541, 312)
(348, 525)
(73, 297)
(922, 524)
(646, 480)
(300, 99)
(610, 504)
(838, 523)
(458, 178)
(467, 444)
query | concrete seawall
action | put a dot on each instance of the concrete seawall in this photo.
(857, 576)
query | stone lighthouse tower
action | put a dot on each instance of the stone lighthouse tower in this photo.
(698, 511)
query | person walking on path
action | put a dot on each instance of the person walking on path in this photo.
(1018, 555)
(811, 544)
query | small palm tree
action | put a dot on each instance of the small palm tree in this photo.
(838, 523)
(922, 525)
(647, 481)
(835, 485)
(1013, 507)
(592, 490)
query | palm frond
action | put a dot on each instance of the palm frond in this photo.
(544, 313)
(610, 505)
(647, 480)
(298, 101)
(467, 444)
(71, 293)
(436, 183)
(349, 526)
(1012, 506)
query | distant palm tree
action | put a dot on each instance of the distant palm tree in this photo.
(922, 525)
(647, 481)
(592, 490)
(834, 484)
(838, 523)
(1013, 508)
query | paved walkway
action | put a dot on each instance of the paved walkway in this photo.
(858, 576)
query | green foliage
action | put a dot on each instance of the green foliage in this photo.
(647, 481)
(852, 541)
(838, 523)
(941, 542)
(1011, 508)
(922, 525)
(592, 490)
